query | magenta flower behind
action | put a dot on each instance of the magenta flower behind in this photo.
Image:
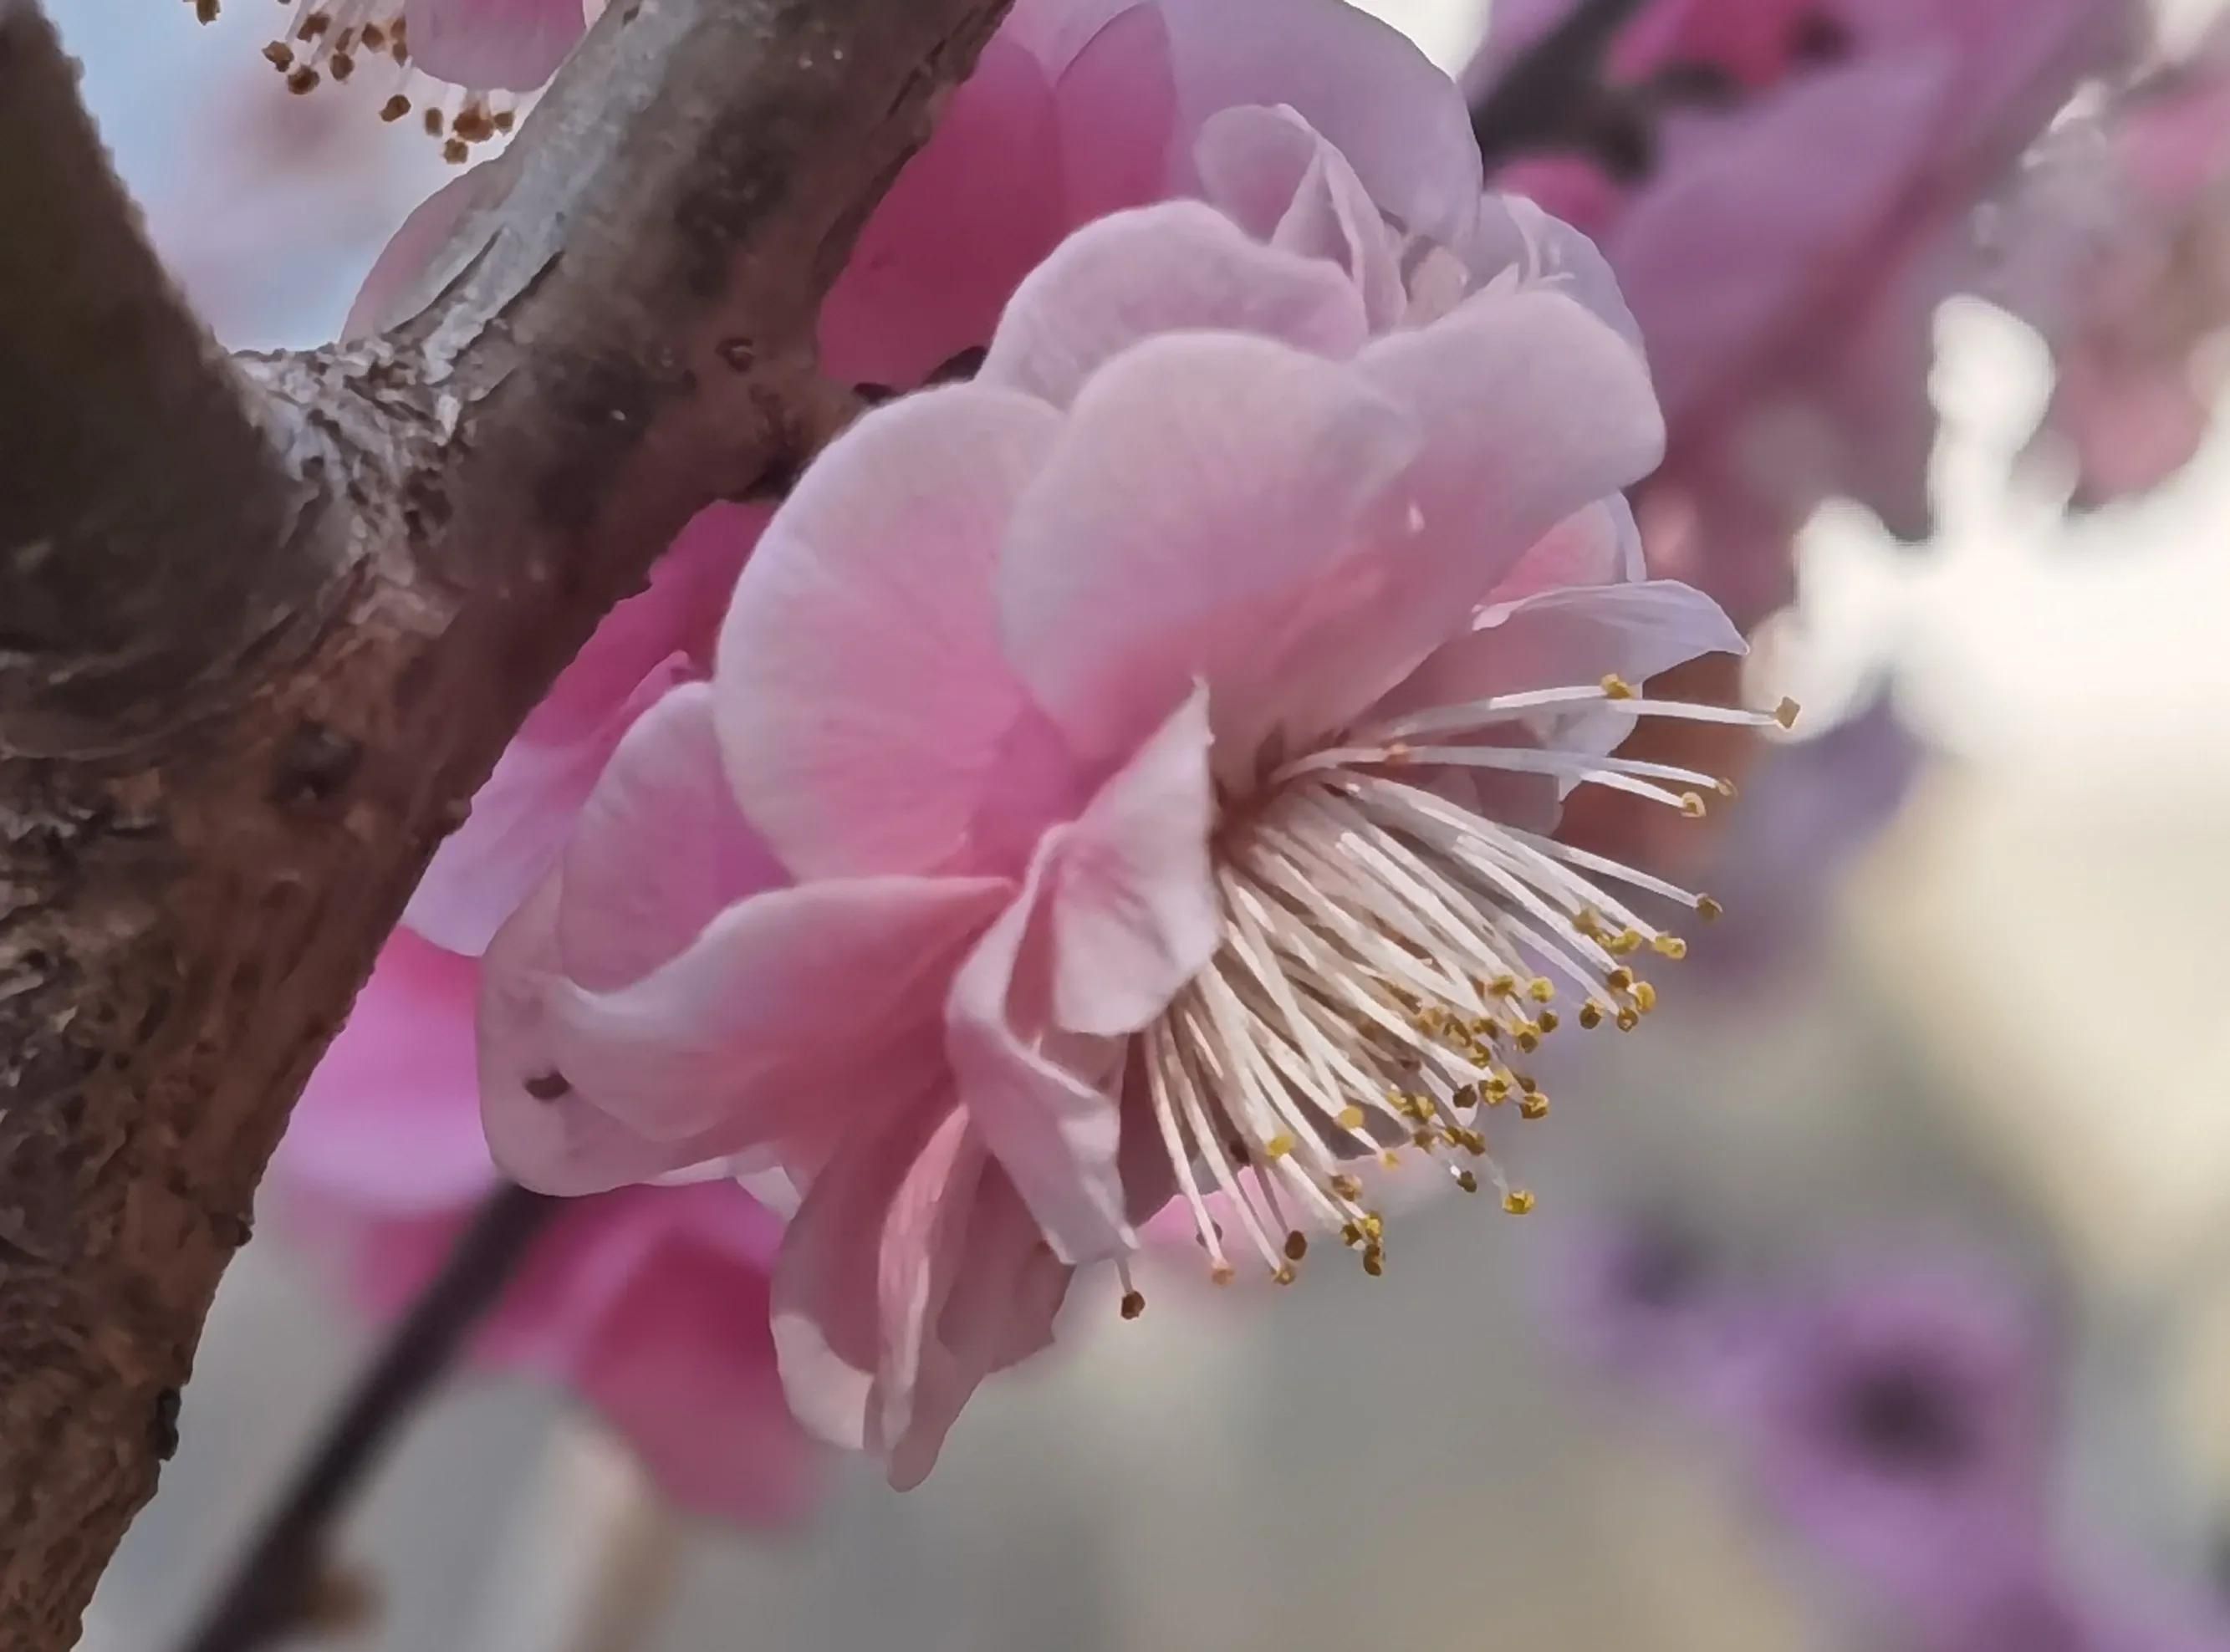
(1785, 191)
(2116, 243)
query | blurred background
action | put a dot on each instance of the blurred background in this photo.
(1998, 1050)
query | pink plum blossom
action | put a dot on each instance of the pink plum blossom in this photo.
(1801, 203)
(2116, 245)
(1080, 106)
(1127, 776)
(650, 1303)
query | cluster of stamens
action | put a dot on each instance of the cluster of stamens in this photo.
(335, 41)
(1391, 956)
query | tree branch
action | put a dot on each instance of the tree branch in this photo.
(257, 650)
(271, 1592)
(1549, 92)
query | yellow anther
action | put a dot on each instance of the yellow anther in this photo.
(1347, 1187)
(1533, 1107)
(1785, 713)
(1349, 1234)
(1425, 1139)
(1279, 1145)
(1629, 1018)
(1547, 1021)
(1709, 909)
(1629, 940)
(1620, 980)
(1466, 1180)
(1529, 1040)
(1644, 996)
(1474, 1144)
(1283, 1274)
(1503, 986)
(1390, 1158)
(1692, 806)
(1591, 1015)
(1669, 946)
(1134, 1304)
(1517, 1202)
(1615, 687)
(1351, 1118)
(1587, 923)
(1541, 989)
(1374, 1225)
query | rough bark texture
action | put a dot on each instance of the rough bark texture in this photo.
(264, 628)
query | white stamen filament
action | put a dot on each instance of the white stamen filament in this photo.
(1388, 953)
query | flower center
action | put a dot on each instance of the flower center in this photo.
(1391, 956)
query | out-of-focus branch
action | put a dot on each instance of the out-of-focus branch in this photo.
(273, 1591)
(264, 629)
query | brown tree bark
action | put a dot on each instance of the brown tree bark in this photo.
(265, 625)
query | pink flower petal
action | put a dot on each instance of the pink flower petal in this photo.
(1140, 274)
(1598, 545)
(492, 45)
(1533, 408)
(1132, 905)
(1209, 493)
(390, 1117)
(659, 849)
(1006, 1289)
(968, 218)
(908, 1276)
(682, 1363)
(523, 813)
(520, 819)
(1118, 912)
(790, 1003)
(1283, 183)
(1399, 121)
(542, 1130)
(862, 704)
(1116, 103)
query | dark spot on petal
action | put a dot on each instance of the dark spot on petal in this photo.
(549, 1086)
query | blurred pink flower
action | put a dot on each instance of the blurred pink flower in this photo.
(1802, 182)
(651, 1303)
(1156, 739)
(2116, 245)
